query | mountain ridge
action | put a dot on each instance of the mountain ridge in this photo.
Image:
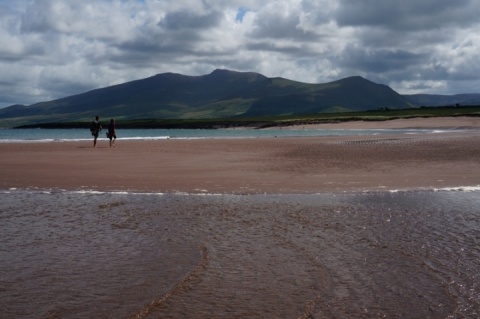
(219, 94)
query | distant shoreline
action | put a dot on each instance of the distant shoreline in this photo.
(457, 122)
(460, 121)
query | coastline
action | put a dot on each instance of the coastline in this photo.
(297, 165)
(459, 122)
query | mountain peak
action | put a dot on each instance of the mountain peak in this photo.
(228, 75)
(358, 81)
(225, 72)
(222, 71)
(355, 78)
(221, 74)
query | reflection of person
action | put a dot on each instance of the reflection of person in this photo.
(95, 129)
(111, 134)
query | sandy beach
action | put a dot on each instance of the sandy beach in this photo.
(263, 165)
(307, 242)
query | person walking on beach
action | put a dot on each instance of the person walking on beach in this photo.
(95, 129)
(111, 134)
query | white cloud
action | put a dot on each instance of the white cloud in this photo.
(55, 48)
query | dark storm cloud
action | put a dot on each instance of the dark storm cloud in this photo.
(161, 43)
(378, 60)
(189, 20)
(407, 15)
(175, 36)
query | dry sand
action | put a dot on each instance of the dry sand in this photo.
(247, 166)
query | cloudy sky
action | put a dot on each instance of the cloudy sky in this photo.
(55, 48)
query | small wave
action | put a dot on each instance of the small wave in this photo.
(144, 138)
(181, 287)
(459, 189)
(47, 140)
(442, 189)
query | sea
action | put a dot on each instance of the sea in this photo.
(91, 254)
(61, 135)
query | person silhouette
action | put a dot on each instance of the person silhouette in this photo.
(112, 134)
(95, 128)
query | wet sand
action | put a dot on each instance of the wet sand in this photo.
(356, 255)
(285, 255)
(249, 166)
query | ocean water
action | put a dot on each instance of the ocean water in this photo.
(126, 255)
(49, 135)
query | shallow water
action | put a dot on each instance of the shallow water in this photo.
(61, 135)
(360, 255)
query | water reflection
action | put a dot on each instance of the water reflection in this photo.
(400, 255)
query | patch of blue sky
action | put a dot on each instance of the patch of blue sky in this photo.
(240, 14)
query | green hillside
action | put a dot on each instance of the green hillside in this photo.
(220, 94)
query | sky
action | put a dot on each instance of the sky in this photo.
(56, 48)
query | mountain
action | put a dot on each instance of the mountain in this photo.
(443, 100)
(220, 94)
